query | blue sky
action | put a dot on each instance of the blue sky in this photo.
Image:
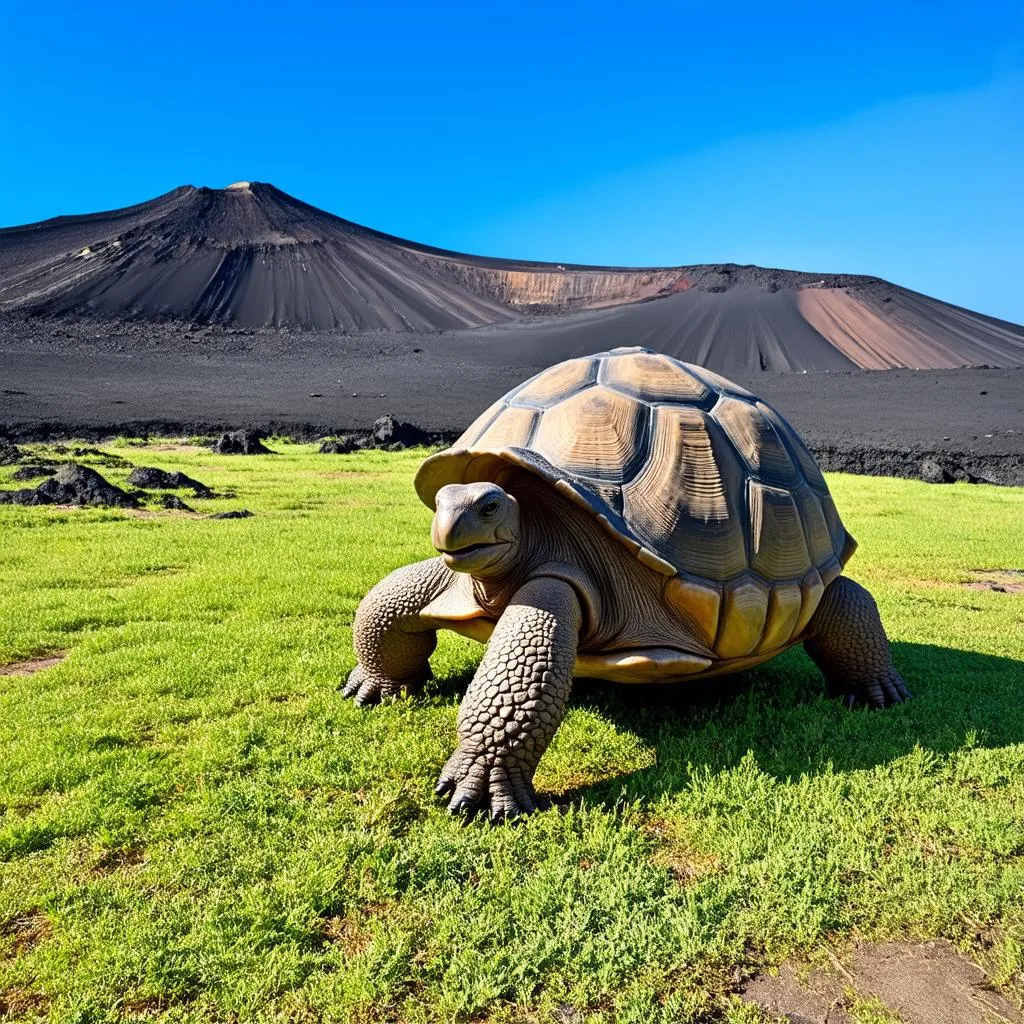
(882, 138)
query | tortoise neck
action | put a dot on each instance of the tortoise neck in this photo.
(495, 586)
(551, 532)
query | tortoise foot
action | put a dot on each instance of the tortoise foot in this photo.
(366, 689)
(847, 641)
(479, 780)
(882, 692)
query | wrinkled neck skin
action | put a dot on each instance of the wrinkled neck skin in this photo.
(551, 531)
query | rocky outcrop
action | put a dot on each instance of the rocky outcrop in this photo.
(241, 442)
(935, 467)
(72, 484)
(159, 479)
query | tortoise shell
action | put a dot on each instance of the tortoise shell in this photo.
(699, 479)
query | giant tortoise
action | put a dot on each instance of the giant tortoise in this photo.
(624, 516)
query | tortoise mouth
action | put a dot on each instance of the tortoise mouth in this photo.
(472, 556)
(470, 549)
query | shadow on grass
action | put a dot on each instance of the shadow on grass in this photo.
(780, 713)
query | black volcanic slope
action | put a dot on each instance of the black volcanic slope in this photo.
(250, 256)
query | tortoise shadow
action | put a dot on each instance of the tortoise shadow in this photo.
(781, 714)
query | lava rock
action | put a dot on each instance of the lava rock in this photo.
(932, 472)
(31, 472)
(173, 501)
(241, 442)
(237, 513)
(72, 485)
(9, 454)
(344, 445)
(159, 479)
(387, 430)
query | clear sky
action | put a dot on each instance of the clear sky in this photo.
(879, 137)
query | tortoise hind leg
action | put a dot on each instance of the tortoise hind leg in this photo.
(847, 641)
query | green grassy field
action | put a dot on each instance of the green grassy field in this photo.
(195, 826)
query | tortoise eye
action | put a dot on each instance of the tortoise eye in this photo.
(490, 508)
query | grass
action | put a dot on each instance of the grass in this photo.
(194, 826)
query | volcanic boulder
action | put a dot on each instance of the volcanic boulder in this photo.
(390, 433)
(933, 473)
(241, 442)
(159, 479)
(172, 501)
(9, 454)
(344, 445)
(72, 485)
(33, 472)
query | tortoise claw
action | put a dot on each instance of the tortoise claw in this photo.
(879, 693)
(366, 690)
(476, 783)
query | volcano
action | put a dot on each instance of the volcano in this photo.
(251, 256)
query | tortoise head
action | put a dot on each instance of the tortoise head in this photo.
(476, 528)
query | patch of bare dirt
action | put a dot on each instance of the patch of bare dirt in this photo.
(27, 930)
(145, 1006)
(27, 668)
(110, 861)
(924, 983)
(347, 933)
(684, 864)
(1002, 581)
(351, 932)
(16, 1002)
(819, 999)
(179, 449)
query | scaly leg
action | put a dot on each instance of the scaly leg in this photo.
(846, 640)
(516, 702)
(393, 644)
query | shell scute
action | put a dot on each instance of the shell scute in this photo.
(829, 570)
(816, 529)
(803, 457)
(698, 602)
(756, 440)
(784, 603)
(835, 525)
(556, 383)
(779, 551)
(655, 378)
(687, 500)
(744, 612)
(513, 429)
(482, 422)
(595, 433)
(811, 588)
(720, 383)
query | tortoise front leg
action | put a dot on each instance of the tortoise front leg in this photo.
(516, 702)
(393, 643)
